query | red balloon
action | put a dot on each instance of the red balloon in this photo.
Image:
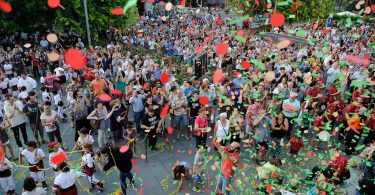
(104, 97)
(218, 75)
(75, 59)
(53, 3)
(204, 100)
(277, 20)
(116, 92)
(164, 77)
(170, 130)
(222, 48)
(246, 65)
(117, 11)
(59, 158)
(5, 6)
(164, 111)
(373, 7)
(124, 148)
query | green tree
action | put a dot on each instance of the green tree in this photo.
(100, 17)
(26, 16)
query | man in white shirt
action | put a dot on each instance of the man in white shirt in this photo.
(13, 111)
(26, 81)
(333, 73)
(8, 68)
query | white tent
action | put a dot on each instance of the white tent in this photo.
(346, 13)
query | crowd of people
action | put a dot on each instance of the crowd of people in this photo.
(289, 105)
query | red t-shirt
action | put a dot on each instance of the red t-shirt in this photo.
(313, 92)
(201, 124)
(296, 144)
(89, 74)
(339, 164)
(318, 123)
(232, 160)
(350, 109)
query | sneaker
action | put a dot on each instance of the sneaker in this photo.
(187, 137)
(195, 189)
(21, 149)
(44, 141)
(178, 136)
(44, 184)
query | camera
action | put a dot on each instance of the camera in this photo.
(98, 153)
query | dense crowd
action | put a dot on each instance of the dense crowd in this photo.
(289, 104)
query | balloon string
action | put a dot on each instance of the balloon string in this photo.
(62, 7)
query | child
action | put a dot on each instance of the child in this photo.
(4, 138)
(181, 170)
(64, 183)
(13, 83)
(88, 164)
(129, 136)
(197, 168)
(46, 97)
(59, 105)
(6, 179)
(35, 157)
(23, 95)
(54, 150)
(84, 138)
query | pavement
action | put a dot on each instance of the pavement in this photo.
(154, 176)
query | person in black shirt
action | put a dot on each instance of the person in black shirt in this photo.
(27, 63)
(116, 116)
(33, 110)
(121, 160)
(194, 106)
(151, 124)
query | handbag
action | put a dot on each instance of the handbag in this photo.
(95, 124)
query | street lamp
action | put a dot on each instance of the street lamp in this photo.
(87, 22)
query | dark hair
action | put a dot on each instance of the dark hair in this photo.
(29, 184)
(42, 88)
(31, 93)
(63, 167)
(31, 144)
(177, 171)
(129, 124)
(87, 146)
(23, 88)
(105, 149)
(84, 130)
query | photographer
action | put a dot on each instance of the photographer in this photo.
(81, 104)
(116, 116)
(121, 160)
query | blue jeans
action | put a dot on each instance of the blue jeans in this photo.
(138, 116)
(224, 184)
(123, 177)
(181, 121)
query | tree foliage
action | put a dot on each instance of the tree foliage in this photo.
(100, 17)
(26, 16)
(29, 16)
(303, 10)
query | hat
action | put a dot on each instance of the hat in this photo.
(52, 144)
(235, 145)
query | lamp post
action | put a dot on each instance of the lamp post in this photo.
(87, 22)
